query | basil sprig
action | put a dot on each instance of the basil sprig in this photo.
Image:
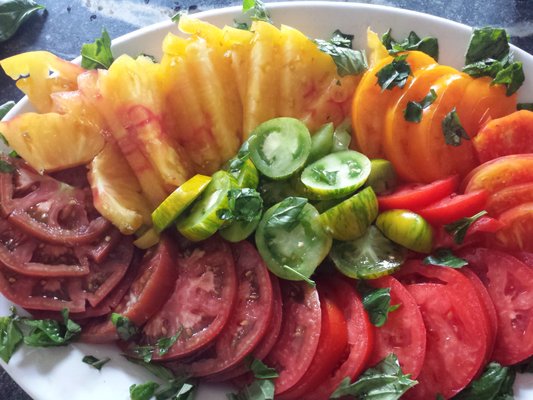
(394, 74)
(376, 303)
(452, 129)
(385, 381)
(244, 205)
(95, 362)
(262, 388)
(496, 383)
(11, 336)
(460, 227)
(13, 13)
(445, 258)
(98, 54)
(125, 328)
(428, 44)
(5, 108)
(347, 60)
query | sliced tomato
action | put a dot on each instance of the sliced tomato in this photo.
(477, 234)
(517, 231)
(404, 333)
(201, 302)
(509, 197)
(331, 347)
(149, 291)
(415, 196)
(360, 337)
(512, 134)
(509, 283)
(297, 343)
(249, 318)
(454, 207)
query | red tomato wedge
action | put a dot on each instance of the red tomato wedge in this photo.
(360, 337)
(151, 288)
(517, 231)
(331, 347)
(455, 342)
(415, 196)
(404, 333)
(512, 134)
(201, 302)
(249, 318)
(509, 197)
(454, 207)
(293, 353)
(509, 283)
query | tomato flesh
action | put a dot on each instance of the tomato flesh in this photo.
(454, 207)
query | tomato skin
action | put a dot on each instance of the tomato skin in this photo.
(509, 197)
(331, 347)
(454, 207)
(509, 283)
(360, 336)
(512, 134)
(404, 333)
(517, 231)
(415, 197)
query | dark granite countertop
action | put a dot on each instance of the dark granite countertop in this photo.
(66, 24)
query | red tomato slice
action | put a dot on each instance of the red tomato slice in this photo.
(201, 302)
(512, 134)
(517, 231)
(331, 347)
(298, 340)
(149, 291)
(360, 337)
(454, 207)
(455, 342)
(509, 197)
(415, 197)
(509, 283)
(477, 234)
(404, 333)
(249, 318)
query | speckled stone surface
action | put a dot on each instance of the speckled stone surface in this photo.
(67, 24)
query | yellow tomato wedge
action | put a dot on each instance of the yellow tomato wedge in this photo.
(377, 51)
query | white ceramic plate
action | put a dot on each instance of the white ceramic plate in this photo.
(51, 374)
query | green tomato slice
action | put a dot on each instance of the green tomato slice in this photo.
(321, 142)
(291, 239)
(382, 176)
(178, 201)
(351, 218)
(337, 174)
(280, 147)
(248, 177)
(406, 228)
(148, 239)
(203, 220)
(238, 231)
(369, 257)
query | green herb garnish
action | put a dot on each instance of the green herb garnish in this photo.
(13, 13)
(347, 60)
(428, 44)
(4, 109)
(445, 258)
(95, 362)
(496, 383)
(125, 328)
(376, 303)
(453, 129)
(460, 227)
(98, 54)
(413, 111)
(394, 74)
(524, 106)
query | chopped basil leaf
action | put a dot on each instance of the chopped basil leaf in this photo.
(487, 43)
(511, 76)
(234, 166)
(13, 13)
(162, 346)
(98, 54)
(453, 129)
(259, 389)
(413, 111)
(241, 25)
(256, 10)
(483, 68)
(428, 44)
(95, 362)
(347, 60)
(176, 17)
(49, 333)
(394, 74)
(460, 227)
(376, 303)
(524, 106)
(10, 335)
(144, 391)
(496, 382)
(3, 139)
(157, 370)
(245, 204)
(13, 154)
(4, 109)
(6, 167)
(125, 328)
(385, 381)
(287, 214)
(445, 258)
(262, 371)
(328, 177)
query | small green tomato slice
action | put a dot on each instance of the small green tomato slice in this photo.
(351, 218)
(337, 174)
(406, 228)
(203, 220)
(291, 239)
(382, 176)
(280, 147)
(178, 201)
(341, 140)
(238, 231)
(148, 239)
(248, 176)
(369, 257)
(321, 142)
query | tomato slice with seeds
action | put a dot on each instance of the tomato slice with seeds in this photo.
(200, 305)
(360, 337)
(297, 343)
(517, 229)
(404, 333)
(249, 318)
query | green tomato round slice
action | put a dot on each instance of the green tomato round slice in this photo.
(369, 257)
(321, 142)
(291, 239)
(203, 220)
(337, 174)
(280, 147)
(178, 201)
(406, 228)
(238, 231)
(148, 239)
(382, 176)
(248, 176)
(351, 218)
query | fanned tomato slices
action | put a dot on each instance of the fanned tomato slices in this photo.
(404, 333)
